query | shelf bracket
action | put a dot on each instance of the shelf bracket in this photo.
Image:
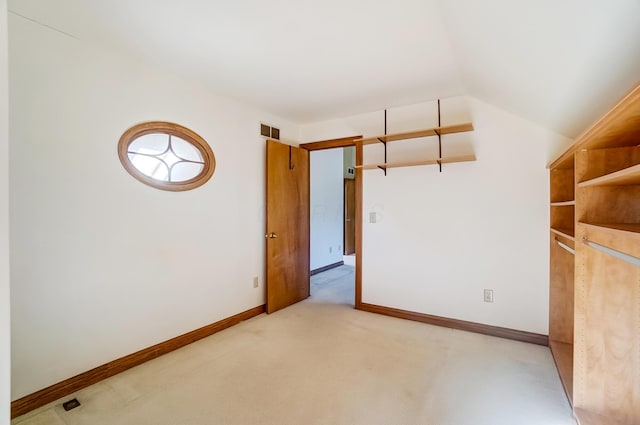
(439, 140)
(291, 166)
(385, 156)
(385, 144)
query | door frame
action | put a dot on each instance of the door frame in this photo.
(343, 143)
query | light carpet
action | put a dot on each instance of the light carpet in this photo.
(322, 362)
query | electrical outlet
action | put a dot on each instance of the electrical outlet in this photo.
(488, 295)
(372, 217)
(330, 249)
(339, 246)
(255, 281)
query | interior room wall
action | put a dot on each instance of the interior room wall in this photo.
(103, 265)
(5, 323)
(327, 207)
(440, 239)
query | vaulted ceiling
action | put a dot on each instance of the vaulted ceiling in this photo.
(560, 63)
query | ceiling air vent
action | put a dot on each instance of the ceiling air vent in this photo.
(268, 131)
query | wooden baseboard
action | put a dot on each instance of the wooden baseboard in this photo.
(325, 268)
(523, 336)
(54, 392)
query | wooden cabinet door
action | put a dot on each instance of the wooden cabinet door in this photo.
(287, 238)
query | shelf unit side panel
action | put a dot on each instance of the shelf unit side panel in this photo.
(607, 343)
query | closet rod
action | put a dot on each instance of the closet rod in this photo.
(567, 247)
(619, 255)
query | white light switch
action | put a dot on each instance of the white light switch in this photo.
(372, 217)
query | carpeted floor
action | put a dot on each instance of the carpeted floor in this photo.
(322, 362)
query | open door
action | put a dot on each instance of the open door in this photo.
(349, 216)
(287, 275)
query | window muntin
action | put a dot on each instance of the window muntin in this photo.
(166, 156)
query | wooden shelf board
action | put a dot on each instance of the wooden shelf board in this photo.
(462, 158)
(427, 132)
(567, 233)
(586, 417)
(563, 203)
(563, 356)
(626, 176)
(397, 164)
(626, 229)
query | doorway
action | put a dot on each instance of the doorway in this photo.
(290, 218)
(332, 225)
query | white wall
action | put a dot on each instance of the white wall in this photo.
(441, 238)
(103, 265)
(327, 207)
(5, 323)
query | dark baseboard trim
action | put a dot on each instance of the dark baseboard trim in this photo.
(463, 325)
(325, 268)
(54, 392)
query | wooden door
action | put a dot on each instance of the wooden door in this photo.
(287, 251)
(349, 216)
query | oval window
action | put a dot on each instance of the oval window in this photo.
(166, 156)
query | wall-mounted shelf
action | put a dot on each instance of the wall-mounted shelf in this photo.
(427, 132)
(462, 158)
(416, 134)
(627, 176)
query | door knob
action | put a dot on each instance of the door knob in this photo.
(271, 235)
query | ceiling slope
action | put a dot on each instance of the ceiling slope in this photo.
(558, 63)
(304, 60)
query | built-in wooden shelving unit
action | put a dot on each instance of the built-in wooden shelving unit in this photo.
(594, 295)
